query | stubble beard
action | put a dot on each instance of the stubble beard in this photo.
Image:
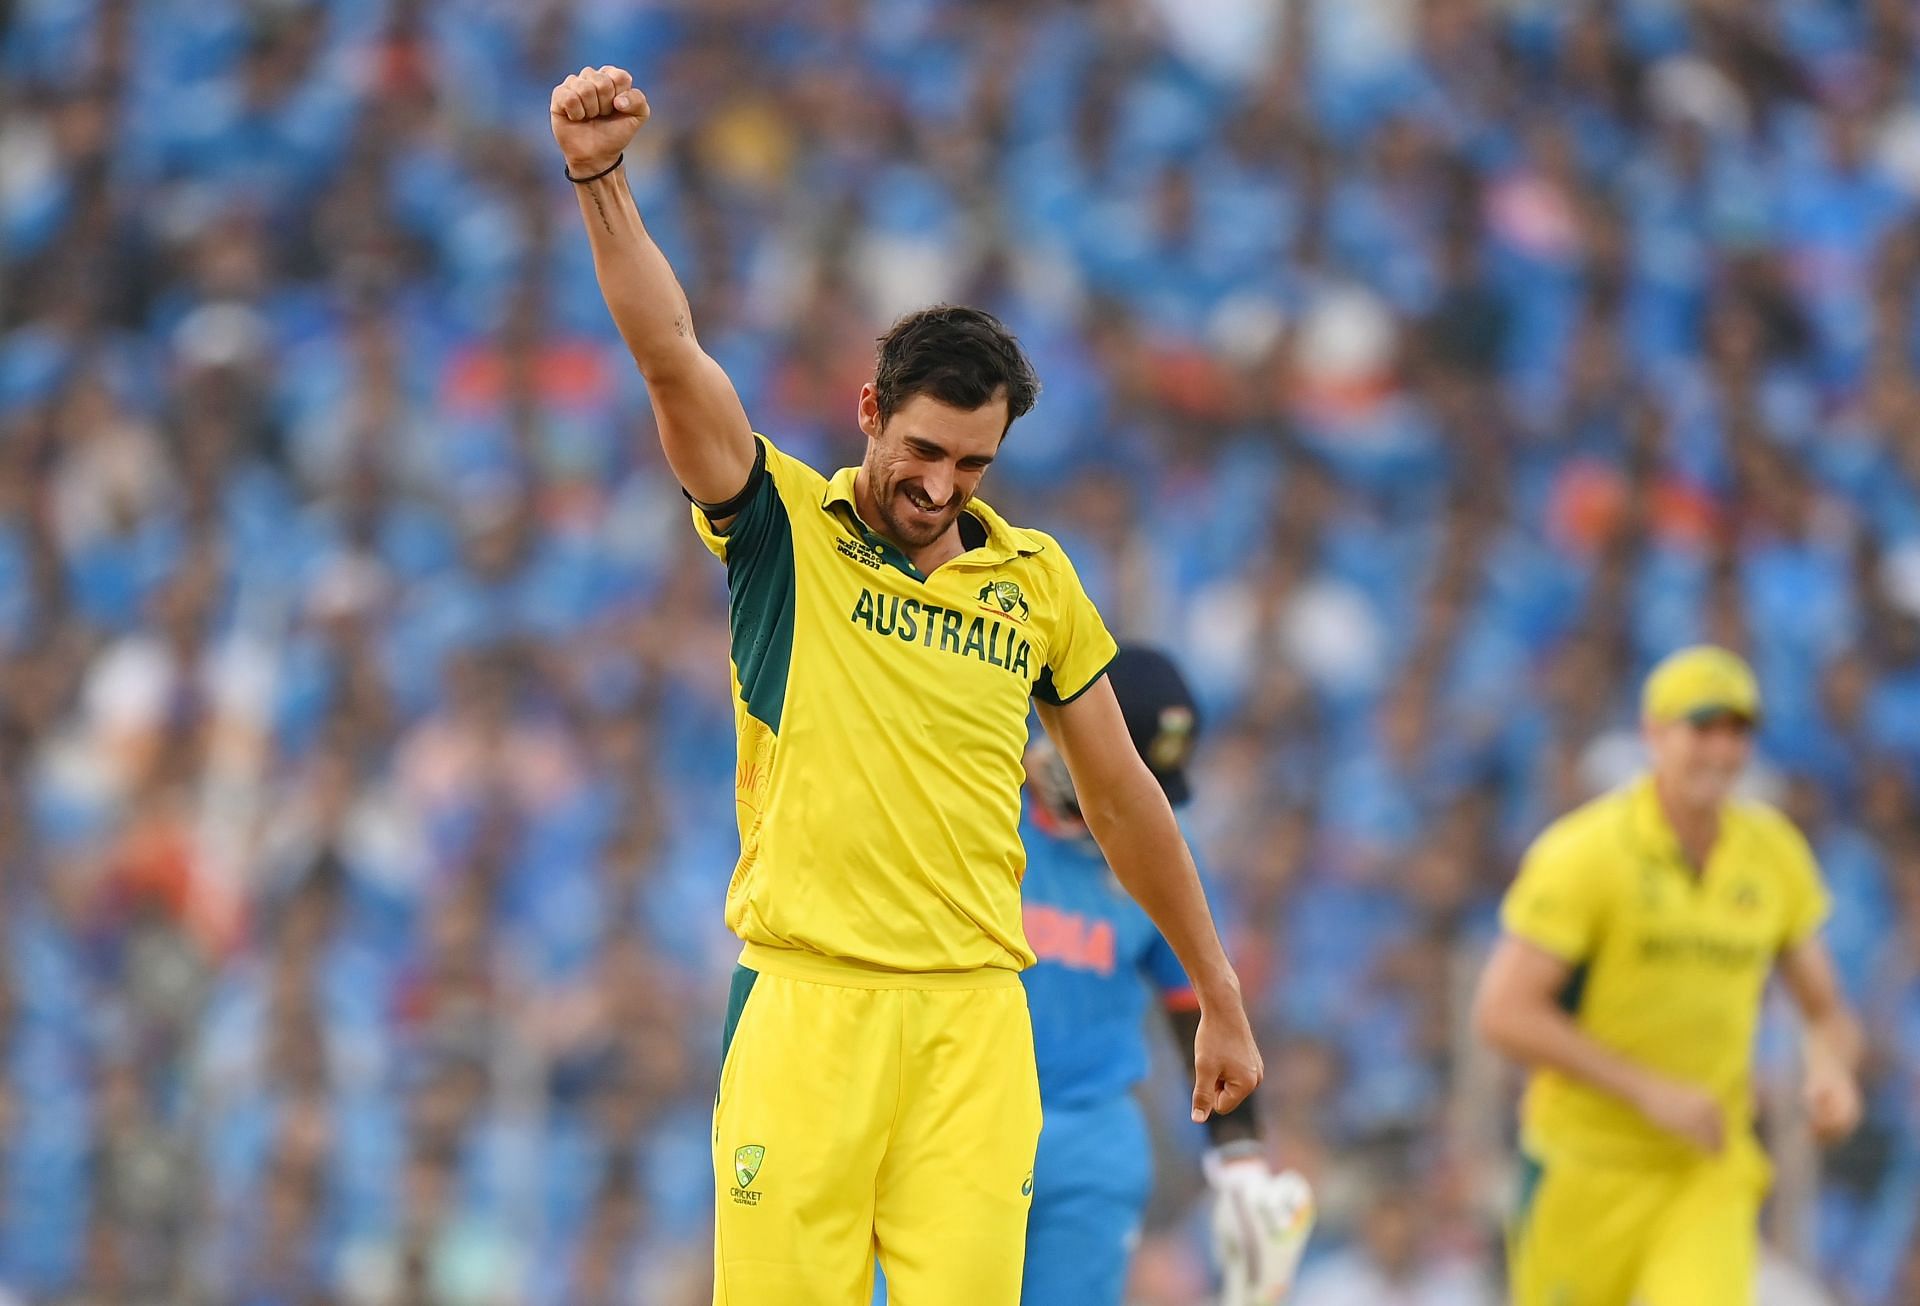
(914, 533)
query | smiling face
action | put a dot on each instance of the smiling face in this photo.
(924, 463)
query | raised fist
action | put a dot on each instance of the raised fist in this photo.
(595, 113)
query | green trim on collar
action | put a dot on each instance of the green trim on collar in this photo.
(1005, 541)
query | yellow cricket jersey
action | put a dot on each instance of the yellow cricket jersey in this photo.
(882, 716)
(1670, 967)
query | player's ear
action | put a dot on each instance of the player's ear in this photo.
(868, 413)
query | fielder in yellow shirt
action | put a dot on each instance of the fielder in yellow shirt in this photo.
(1638, 941)
(890, 633)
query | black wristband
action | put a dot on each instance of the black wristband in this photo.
(732, 506)
(581, 181)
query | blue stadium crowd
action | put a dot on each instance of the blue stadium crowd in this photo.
(1416, 372)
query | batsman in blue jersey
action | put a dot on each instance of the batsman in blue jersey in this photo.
(1100, 961)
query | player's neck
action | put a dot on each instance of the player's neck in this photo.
(943, 550)
(926, 558)
(1696, 827)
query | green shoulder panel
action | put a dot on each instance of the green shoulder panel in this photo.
(761, 593)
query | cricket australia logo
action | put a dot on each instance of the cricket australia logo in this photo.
(746, 1166)
(1003, 595)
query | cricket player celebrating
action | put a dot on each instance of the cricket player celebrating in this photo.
(878, 1094)
(1639, 937)
(1095, 949)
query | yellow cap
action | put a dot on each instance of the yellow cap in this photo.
(1699, 681)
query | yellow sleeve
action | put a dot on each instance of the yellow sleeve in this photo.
(1807, 901)
(1079, 648)
(1557, 902)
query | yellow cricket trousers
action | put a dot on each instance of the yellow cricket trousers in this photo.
(872, 1113)
(1675, 1236)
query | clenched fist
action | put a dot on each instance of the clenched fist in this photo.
(1684, 1111)
(1832, 1098)
(1226, 1062)
(595, 113)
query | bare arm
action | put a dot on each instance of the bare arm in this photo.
(1807, 970)
(1834, 1043)
(703, 429)
(1130, 819)
(1517, 1012)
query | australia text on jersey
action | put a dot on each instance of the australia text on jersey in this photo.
(931, 625)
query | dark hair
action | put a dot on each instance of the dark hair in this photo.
(961, 356)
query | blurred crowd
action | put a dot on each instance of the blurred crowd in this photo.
(1416, 372)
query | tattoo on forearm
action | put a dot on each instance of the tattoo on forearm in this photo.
(600, 208)
(682, 327)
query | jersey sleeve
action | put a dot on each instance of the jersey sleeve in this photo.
(1556, 902)
(1080, 648)
(761, 525)
(1168, 977)
(1807, 901)
(758, 548)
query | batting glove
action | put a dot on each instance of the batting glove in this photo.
(1260, 1225)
